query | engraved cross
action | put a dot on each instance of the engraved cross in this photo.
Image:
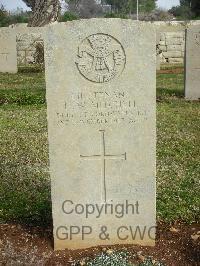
(103, 157)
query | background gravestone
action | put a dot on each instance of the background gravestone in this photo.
(101, 81)
(8, 50)
(158, 59)
(192, 63)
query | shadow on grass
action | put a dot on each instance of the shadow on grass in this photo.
(31, 69)
(169, 92)
(23, 96)
(25, 198)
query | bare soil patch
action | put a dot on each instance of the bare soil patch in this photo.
(178, 70)
(177, 245)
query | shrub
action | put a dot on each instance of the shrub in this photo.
(4, 17)
(18, 16)
(116, 15)
(68, 16)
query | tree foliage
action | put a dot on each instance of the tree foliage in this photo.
(4, 17)
(195, 6)
(7, 18)
(68, 16)
(188, 9)
(90, 8)
(30, 3)
(84, 8)
(130, 6)
(43, 11)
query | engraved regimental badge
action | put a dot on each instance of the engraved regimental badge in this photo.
(100, 58)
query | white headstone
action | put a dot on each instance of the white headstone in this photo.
(192, 63)
(8, 50)
(101, 88)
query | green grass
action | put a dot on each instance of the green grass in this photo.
(25, 188)
(178, 164)
(23, 88)
(25, 183)
(170, 86)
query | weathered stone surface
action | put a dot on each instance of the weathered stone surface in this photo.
(157, 51)
(158, 62)
(162, 36)
(100, 77)
(174, 34)
(174, 41)
(174, 47)
(172, 54)
(171, 42)
(175, 60)
(158, 38)
(27, 41)
(192, 66)
(162, 43)
(163, 48)
(8, 50)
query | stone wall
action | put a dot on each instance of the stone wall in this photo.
(171, 47)
(26, 48)
(171, 40)
(27, 41)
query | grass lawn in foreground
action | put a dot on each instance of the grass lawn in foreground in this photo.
(25, 183)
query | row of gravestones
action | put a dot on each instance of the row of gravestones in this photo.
(8, 58)
(101, 109)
